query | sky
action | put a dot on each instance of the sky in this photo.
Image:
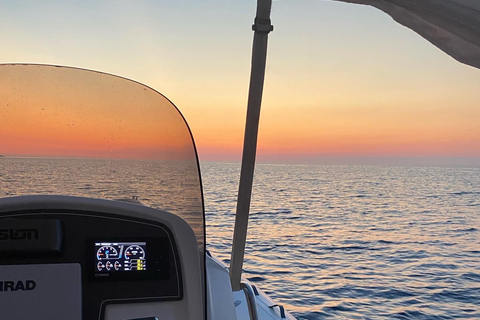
(343, 81)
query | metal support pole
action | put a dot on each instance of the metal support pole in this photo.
(261, 27)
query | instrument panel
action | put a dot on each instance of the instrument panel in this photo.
(120, 256)
(129, 260)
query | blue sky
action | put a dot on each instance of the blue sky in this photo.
(327, 60)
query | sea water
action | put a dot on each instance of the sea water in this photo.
(327, 242)
(356, 242)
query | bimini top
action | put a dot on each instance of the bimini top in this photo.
(68, 131)
(451, 25)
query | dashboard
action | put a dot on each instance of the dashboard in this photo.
(100, 258)
(120, 256)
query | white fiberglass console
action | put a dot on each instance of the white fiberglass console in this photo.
(77, 258)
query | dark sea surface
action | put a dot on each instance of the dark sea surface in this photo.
(356, 242)
(327, 242)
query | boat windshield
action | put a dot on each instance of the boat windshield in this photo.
(68, 131)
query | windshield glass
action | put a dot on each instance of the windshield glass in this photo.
(68, 131)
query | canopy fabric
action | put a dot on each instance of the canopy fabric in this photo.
(451, 25)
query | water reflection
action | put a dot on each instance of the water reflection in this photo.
(356, 242)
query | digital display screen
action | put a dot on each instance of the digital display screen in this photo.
(120, 257)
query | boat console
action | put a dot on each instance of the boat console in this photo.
(78, 258)
(74, 142)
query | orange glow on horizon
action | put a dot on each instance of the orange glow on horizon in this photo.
(345, 81)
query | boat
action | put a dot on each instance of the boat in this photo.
(64, 236)
(119, 257)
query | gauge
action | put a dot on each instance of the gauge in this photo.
(100, 266)
(108, 265)
(107, 252)
(134, 252)
(118, 265)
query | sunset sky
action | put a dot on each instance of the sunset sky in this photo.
(342, 80)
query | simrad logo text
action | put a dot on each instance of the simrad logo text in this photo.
(18, 234)
(20, 285)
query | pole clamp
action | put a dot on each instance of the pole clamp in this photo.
(262, 25)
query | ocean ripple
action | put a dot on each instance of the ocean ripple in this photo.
(357, 242)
